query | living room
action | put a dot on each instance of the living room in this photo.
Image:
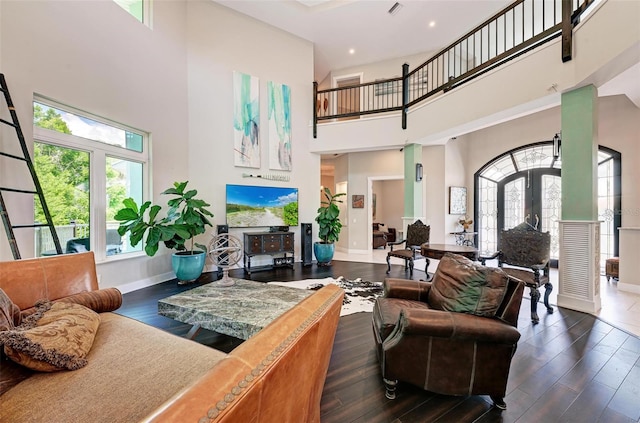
(175, 82)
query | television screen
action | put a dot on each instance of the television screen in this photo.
(253, 206)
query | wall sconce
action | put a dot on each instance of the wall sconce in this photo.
(418, 172)
(557, 141)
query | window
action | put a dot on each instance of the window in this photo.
(86, 166)
(526, 183)
(139, 9)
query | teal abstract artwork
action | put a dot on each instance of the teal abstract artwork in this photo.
(246, 120)
(279, 112)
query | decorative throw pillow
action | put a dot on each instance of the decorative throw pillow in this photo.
(462, 286)
(100, 301)
(58, 336)
(9, 313)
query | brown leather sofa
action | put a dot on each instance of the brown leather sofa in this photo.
(455, 335)
(136, 372)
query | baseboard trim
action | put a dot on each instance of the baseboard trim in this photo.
(579, 304)
(144, 283)
(629, 287)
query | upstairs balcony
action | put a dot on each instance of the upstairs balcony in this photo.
(517, 62)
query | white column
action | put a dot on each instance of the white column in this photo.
(579, 265)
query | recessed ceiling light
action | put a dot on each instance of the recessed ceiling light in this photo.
(432, 24)
(351, 51)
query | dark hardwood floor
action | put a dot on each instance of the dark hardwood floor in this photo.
(571, 367)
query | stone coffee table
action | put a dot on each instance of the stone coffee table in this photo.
(240, 310)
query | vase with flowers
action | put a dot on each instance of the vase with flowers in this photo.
(466, 223)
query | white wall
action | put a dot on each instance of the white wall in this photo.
(221, 41)
(362, 167)
(455, 162)
(98, 58)
(174, 81)
(385, 69)
(435, 200)
(390, 203)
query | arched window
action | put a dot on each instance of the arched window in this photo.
(524, 185)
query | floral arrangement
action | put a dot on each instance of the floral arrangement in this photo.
(465, 222)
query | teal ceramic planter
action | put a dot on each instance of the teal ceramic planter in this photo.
(324, 253)
(188, 267)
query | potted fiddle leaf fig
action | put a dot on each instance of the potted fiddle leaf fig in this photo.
(328, 219)
(186, 218)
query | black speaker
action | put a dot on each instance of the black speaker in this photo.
(221, 229)
(306, 240)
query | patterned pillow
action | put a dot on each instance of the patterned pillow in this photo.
(462, 286)
(9, 312)
(57, 337)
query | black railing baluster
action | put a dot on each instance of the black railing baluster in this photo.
(446, 69)
(405, 93)
(316, 105)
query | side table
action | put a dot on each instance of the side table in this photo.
(437, 251)
(464, 238)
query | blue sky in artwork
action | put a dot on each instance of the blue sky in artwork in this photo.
(258, 196)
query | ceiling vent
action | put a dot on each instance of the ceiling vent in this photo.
(395, 8)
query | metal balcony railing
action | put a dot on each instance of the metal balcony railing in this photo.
(515, 30)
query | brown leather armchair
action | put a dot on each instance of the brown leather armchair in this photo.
(455, 335)
(379, 236)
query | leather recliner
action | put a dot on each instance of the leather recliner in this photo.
(455, 335)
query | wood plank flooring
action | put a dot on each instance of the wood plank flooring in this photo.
(571, 367)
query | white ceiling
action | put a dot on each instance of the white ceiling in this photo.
(366, 26)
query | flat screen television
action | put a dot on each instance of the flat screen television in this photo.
(256, 206)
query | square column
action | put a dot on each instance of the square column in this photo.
(579, 265)
(579, 259)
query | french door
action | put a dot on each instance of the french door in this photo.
(533, 196)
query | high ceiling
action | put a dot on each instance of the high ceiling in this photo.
(375, 34)
(367, 26)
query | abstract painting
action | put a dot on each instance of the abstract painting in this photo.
(279, 111)
(457, 200)
(246, 120)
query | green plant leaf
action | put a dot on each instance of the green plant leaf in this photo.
(131, 204)
(126, 214)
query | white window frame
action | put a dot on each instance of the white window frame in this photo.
(147, 13)
(98, 152)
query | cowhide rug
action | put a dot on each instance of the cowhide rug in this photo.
(359, 295)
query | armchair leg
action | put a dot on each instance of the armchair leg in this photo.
(390, 386)
(410, 267)
(499, 403)
(388, 264)
(535, 296)
(548, 288)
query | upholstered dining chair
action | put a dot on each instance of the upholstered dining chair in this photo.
(523, 253)
(417, 234)
(455, 335)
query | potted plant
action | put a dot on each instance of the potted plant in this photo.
(186, 218)
(329, 227)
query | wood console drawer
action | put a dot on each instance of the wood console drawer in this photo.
(253, 244)
(269, 243)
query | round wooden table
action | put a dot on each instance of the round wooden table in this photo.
(437, 251)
